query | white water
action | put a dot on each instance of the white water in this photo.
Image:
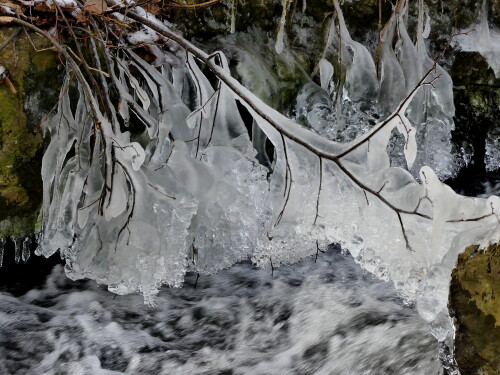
(328, 317)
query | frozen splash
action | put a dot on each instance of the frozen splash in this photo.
(492, 157)
(323, 318)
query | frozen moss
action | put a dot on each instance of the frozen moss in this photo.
(18, 227)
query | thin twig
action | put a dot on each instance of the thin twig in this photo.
(191, 6)
(288, 177)
(318, 250)
(319, 189)
(10, 38)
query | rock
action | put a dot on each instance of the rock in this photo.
(34, 77)
(475, 305)
(477, 102)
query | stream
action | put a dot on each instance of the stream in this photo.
(328, 317)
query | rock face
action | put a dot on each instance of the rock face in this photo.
(475, 305)
(477, 101)
(34, 77)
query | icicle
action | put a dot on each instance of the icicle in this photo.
(325, 73)
(427, 27)
(361, 79)
(26, 252)
(233, 17)
(420, 28)
(392, 82)
(408, 56)
(17, 251)
(489, 41)
(484, 40)
(2, 245)
(281, 27)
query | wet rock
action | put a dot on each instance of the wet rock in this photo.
(475, 305)
(477, 101)
(33, 74)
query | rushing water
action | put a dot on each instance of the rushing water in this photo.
(327, 317)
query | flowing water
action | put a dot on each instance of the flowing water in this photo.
(328, 317)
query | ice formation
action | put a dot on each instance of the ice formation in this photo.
(369, 92)
(492, 157)
(481, 38)
(281, 28)
(2, 245)
(166, 178)
(485, 40)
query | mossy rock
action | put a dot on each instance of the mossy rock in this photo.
(475, 304)
(495, 12)
(35, 77)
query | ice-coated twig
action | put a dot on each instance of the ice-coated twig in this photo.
(164, 196)
(288, 182)
(287, 131)
(319, 189)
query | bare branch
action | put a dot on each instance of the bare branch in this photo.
(10, 38)
(288, 182)
(318, 250)
(319, 189)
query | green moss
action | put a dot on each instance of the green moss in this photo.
(477, 100)
(17, 227)
(475, 304)
(291, 75)
(480, 275)
(21, 141)
(44, 60)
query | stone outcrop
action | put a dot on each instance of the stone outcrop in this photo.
(475, 306)
(36, 88)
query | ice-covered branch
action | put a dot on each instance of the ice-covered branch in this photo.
(161, 176)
